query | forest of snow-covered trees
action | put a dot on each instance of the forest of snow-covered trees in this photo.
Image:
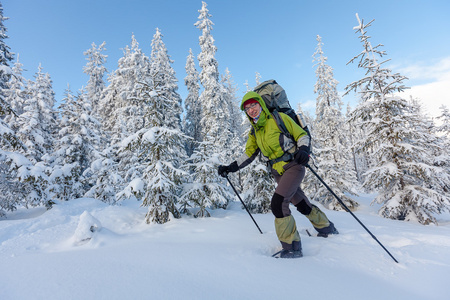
(133, 136)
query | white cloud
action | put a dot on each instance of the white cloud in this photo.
(426, 71)
(436, 91)
(307, 106)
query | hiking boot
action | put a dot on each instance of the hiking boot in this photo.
(291, 253)
(293, 250)
(324, 232)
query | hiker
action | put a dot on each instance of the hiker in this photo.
(287, 161)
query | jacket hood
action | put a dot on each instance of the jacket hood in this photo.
(257, 97)
(265, 111)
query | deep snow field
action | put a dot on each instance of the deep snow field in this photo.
(54, 255)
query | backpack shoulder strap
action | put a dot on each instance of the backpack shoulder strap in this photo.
(280, 123)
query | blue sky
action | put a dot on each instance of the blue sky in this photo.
(275, 38)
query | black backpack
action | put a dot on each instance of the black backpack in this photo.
(276, 100)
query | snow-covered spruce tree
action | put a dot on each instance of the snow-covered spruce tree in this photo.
(215, 121)
(21, 183)
(257, 78)
(10, 144)
(37, 123)
(191, 121)
(95, 69)
(160, 144)
(14, 188)
(330, 139)
(437, 147)
(75, 149)
(11, 189)
(162, 73)
(444, 118)
(408, 185)
(124, 111)
(6, 56)
(236, 143)
(7, 136)
(359, 160)
(37, 127)
(204, 191)
(159, 70)
(64, 179)
(15, 94)
(443, 131)
(104, 177)
(258, 187)
(247, 86)
(121, 106)
(234, 111)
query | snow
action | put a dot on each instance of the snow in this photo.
(221, 257)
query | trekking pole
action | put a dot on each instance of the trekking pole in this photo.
(348, 210)
(243, 203)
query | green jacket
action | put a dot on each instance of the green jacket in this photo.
(268, 139)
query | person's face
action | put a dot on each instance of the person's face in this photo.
(252, 109)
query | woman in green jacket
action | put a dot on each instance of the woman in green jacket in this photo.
(288, 171)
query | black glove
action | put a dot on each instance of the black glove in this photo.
(302, 155)
(224, 170)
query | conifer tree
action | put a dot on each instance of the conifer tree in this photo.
(10, 144)
(163, 74)
(75, 149)
(37, 123)
(191, 122)
(7, 136)
(6, 56)
(258, 78)
(444, 118)
(443, 131)
(215, 122)
(258, 188)
(204, 191)
(95, 69)
(409, 186)
(359, 160)
(124, 111)
(121, 108)
(37, 129)
(121, 114)
(65, 177)
(247, 86)
(15, 94)
(236, 141)
(161, 148)
(106, 181)
(234, 111)
(160, 143)
(330, 141)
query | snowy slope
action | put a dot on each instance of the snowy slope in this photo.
(43, 256)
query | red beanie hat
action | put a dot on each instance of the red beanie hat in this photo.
(250, 101)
